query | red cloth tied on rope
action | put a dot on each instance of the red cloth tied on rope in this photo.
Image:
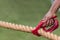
(41, 23)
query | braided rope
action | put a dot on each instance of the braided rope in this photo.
(28, 29)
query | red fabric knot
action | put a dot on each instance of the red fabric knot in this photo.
(40, 25)
(35, 31)
(53, 27)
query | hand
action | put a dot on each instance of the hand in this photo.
(47, 19)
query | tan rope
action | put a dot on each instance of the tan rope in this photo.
(29, 29)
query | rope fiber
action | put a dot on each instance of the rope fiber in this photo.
(28, 29)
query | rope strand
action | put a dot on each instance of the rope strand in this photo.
(28, 29)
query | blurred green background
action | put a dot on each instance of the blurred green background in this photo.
(26, 12)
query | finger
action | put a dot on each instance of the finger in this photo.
(51, 22)
(47, 23)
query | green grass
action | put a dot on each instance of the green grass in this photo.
(26, 12)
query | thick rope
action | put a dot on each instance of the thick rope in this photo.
(28, 29)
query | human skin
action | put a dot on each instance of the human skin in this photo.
(55, 6)
(52, 12)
